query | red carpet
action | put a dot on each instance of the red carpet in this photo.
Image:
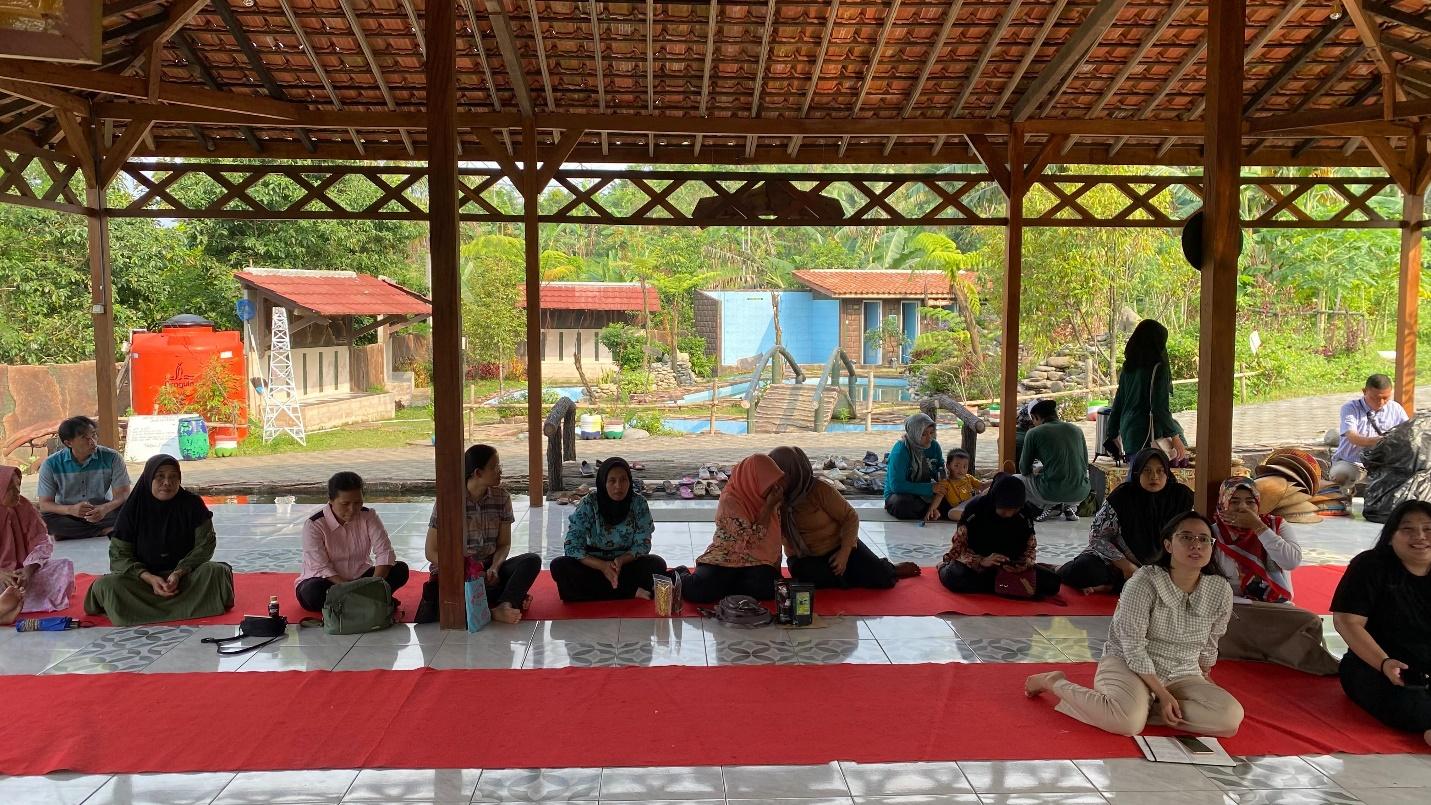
(922, 595)
(669, 716)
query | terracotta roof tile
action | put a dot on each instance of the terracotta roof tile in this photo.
(619, 296)
(855, 284)
(337, 293)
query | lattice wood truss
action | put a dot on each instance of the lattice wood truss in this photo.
(35, 180)
(716, 198)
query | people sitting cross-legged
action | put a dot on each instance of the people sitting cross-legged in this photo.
(820, 530)
(1127, 528)
(1061, 482)
(1257, 553)
(744, 554)
(345, 541)
(31, 579)
(914, 461)
(995, 534)
(1162, 645)
(1382, 608)
(608, 542)
(82, 486)
(487, 537)
(160, 555)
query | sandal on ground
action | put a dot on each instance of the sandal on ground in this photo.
(586, 470)
(686, 493)
(669, 487)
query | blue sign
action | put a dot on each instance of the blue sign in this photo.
(244, 309)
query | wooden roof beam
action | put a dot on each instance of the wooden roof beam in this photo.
(24, 119)
(705, 73)
(979, 64)
(1152, 103)
(1370, 34)
(547, 88)
(49, 96)
(950, 16)
(1029, 53)
(122, 150)
(874, 65)
(78, 78)
(650, 72)
(191, 54)
(760, 72)
(1346, 115)
(814, 71)
(1070, 55)
(481, 49)
(373, 65)
(1267, 32)
(601, 73)
(317, 63)
(1147, 43)
(511, 57)
(1290, 68)
(1388, 12)
(411, 20)
(255, 60)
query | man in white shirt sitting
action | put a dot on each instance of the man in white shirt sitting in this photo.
(1364, 421)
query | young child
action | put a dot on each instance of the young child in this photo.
(957, 488)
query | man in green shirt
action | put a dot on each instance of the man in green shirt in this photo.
(1062, 481)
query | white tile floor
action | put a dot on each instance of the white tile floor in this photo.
(266, 538)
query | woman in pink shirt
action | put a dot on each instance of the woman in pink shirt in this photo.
(345, 541)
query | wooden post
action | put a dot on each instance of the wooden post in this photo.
(1088, 383)
(101, 289)
(1221, 239)
(1241, 386)
(1013, 295)
(1413, 208)
(713, 406)
(869, 404)
(531, 232)
(444, 238)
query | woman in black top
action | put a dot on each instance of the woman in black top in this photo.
(1382, 608)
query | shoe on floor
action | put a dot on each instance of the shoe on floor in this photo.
(1070, 514)
(426, 612)
(1052, 512)
(586, 470)
(872, 458)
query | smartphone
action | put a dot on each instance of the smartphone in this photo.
(1414, 678)
(1194, 745)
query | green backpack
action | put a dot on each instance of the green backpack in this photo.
(358, 606)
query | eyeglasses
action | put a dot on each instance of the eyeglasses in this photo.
(1189, 540)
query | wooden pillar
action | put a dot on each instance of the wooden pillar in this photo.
(1221, 239)
(1013, 295)
(531, 232)
(1413, 208)
(444, 238)
(101, 289)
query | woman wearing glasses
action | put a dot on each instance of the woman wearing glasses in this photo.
(1382, 608)
(1162, 645)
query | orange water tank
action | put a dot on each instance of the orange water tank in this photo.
(177, 355)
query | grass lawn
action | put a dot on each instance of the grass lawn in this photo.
(411, 424)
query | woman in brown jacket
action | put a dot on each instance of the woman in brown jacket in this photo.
(821, 533)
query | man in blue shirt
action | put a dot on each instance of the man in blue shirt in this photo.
(83, 485)
(1364, 421)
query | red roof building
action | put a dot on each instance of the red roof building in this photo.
(334, 294)
(932, 286)
(617, 297)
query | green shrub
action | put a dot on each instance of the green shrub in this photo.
(651, 422)
(633, 381)
(695, 346)
(626, 344)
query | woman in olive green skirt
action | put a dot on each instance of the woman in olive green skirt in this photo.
(159, 556)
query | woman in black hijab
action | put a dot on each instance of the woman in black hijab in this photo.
(159, 556)
(608, 542)
(1142, 408)
(1125, 532)
(995, 533)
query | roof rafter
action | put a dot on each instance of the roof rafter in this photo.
(1396, 15)
(814, 71)
(978, 68)
(1370, 34)
(1289, 68)
(1069, 56)
(1173, 78)
(201, 69)
(760, 72)
(1267, 32)
(934, 49)
(373, 65)
(874, 65)
(548, 90)
(511, 57)
(270, 85)
(1029, 53)
(317, 63)
(600, 72)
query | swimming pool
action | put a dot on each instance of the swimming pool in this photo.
(737, 427)
(887, 389)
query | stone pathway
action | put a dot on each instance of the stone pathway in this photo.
(409, 470)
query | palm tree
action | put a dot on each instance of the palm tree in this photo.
(936, 251)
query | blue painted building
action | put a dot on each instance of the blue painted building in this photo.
(810, 327)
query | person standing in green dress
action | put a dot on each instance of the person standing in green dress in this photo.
(1142, 408)
(159, 556)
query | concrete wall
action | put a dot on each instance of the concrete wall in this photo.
(323, 370)
(326, 414)
(809, 326)
(35, 398)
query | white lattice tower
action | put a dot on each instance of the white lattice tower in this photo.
(281, 412)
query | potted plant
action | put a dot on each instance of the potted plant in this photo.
(210, 397)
